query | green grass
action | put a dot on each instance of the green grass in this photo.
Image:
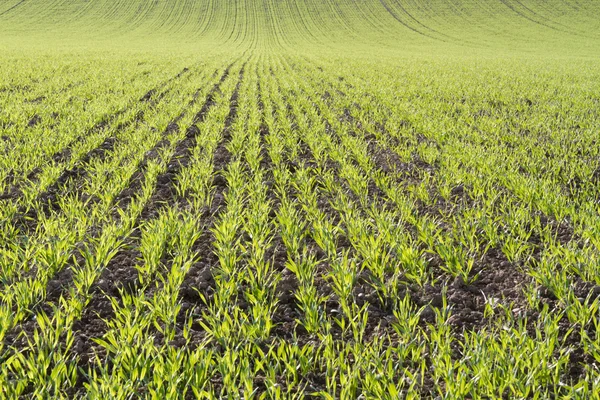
(285, 199)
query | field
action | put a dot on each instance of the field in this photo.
(285, 199)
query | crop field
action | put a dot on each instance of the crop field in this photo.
(334, 199)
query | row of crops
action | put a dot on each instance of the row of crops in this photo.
(282, 199)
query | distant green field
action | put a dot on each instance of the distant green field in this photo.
(570, 27)
(337, 199)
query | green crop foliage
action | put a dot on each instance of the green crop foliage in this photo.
(282, 199)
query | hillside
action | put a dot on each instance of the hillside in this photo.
(507, 24)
